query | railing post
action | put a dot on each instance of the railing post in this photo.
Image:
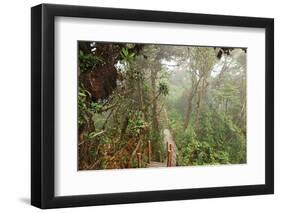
(168, 158)
(160, 156)
(139, 159)
(149, 151)
(171, 153)
(168, 155)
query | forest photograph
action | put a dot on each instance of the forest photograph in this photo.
(160, 105)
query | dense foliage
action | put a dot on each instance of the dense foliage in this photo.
(130, 93)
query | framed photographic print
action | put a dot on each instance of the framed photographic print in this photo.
(139, 106)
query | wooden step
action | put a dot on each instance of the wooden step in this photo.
(154, 164)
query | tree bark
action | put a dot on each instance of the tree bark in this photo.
(155, 122)
(201, 94)
(189, 109)
(194, 88)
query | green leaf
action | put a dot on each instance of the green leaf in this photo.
(82, 94)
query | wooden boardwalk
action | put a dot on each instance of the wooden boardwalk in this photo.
(155, 164)
(168, 139)
(170, 145)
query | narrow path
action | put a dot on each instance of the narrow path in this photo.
(168, 139)
(155, 164)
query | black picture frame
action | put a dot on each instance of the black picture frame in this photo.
(43, 111)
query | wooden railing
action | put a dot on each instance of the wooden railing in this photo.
(170, 149)
(169, 154)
